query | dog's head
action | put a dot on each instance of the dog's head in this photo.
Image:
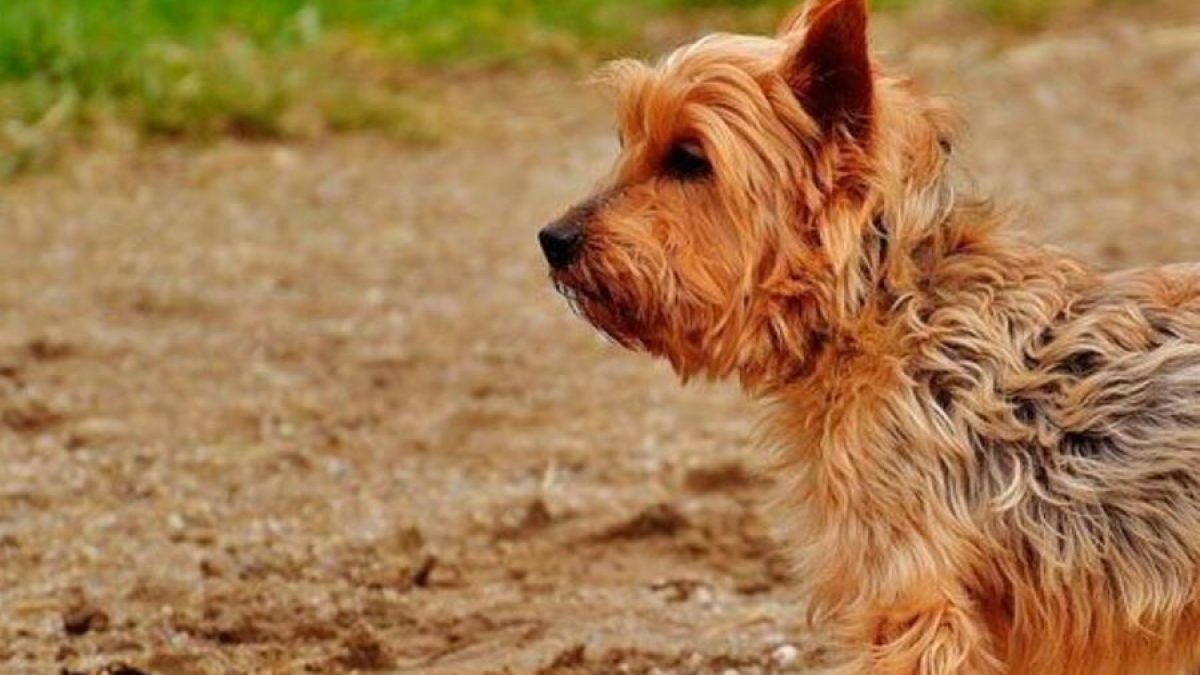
(743, 183)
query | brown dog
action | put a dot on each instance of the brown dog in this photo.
(990, 452)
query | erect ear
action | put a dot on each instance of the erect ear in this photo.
(830, 71)
(798, 18)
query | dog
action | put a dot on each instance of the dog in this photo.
(988, 452)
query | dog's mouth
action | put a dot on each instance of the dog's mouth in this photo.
(591, 300)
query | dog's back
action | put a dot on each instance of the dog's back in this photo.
(1097, 527)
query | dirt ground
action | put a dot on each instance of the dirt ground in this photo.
(314, 408)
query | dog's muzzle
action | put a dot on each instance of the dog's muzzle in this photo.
(560, 242)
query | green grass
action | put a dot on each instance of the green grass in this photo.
(196, 69)
(283, 68)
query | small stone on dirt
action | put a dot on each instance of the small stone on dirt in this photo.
(82, 619)
(785, 655)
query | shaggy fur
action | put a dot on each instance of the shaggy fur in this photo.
(989, 452)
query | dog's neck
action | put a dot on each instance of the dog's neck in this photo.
(929, 292)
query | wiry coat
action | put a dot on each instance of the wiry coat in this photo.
(988, 453)
(1006, 474)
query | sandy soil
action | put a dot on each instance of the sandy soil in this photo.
(315, 409)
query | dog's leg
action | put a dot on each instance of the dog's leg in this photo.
(947, 638)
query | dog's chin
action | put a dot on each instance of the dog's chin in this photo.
(602, 310)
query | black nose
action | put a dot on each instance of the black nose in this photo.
(560, 242)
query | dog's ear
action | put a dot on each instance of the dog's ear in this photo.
(793, 21)
(829, 70)
(798, 18)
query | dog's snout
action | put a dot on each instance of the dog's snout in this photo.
(560, 242)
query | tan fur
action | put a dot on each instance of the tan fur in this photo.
(989, 453)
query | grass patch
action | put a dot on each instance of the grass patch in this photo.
(1020, 13)
(193, 69)
(288, 68)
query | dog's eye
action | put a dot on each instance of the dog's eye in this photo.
(686, 161)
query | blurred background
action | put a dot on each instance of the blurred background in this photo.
(284, 388)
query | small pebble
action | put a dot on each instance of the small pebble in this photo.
(83, 619)
(785, 655)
